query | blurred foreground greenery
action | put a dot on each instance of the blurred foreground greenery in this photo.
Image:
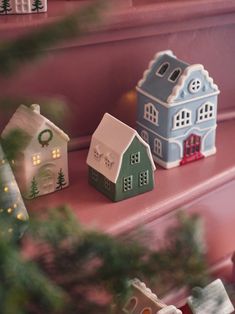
(60, 267)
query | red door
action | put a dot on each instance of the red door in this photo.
(192, 149)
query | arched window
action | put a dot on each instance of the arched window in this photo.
(206, 112)
(157, 148)
(162, 69)
(174, 75)
(130, 305)
(145, 136)
(182, 119)
(151, 113)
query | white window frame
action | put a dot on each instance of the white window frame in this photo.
(127, 183)
(169, 77)
(135, 158)
(20, 6)
(182, 122)
(144, 178)
(195, 85)
(128, 311)
(151, 113)
(157, 146)
(145, 136)
(161, 66)
(206, 115)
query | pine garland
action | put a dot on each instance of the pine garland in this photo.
(15, 53)
(73, 262)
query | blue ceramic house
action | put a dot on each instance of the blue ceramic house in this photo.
(176, 113)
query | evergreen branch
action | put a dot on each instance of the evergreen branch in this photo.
(27, 47)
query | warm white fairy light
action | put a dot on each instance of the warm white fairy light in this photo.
(10, 230)
(6, 189)
(9, 210)
(15, 205)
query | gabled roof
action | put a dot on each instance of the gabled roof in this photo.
(111, 139)
(160, 87)
(30, 120)
(211, 299)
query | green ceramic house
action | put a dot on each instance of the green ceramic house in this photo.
(119, 160)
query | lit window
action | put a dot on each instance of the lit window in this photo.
(157, 147)
(145, 136)
(174, 75)
(135, 158)
(127, 183)
(206, 112)
(147, 311)
(194, 86)
(36, 159)
(56, 153)
(144, 178)
(182, 119)
(107, 184)
(151, 113)
(162, 69)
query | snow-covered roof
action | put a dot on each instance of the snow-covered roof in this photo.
(30, 120)
(211, 299)
(110, 140)
(160, 86)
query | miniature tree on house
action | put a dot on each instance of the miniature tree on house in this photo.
(60, 180)
(37, 5)
(5, 6)
(34, 188)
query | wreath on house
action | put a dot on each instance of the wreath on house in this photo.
(44, 137)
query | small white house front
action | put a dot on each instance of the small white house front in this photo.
(42, 165)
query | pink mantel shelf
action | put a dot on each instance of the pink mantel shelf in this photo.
(206, 187)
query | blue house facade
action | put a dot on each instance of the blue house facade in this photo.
(176, 111)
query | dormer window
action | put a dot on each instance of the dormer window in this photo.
(97, 153)
(162, 69)
(108, 160)
(174, 75)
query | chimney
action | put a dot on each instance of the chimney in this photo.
(35, 108)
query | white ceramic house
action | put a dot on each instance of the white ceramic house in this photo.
(144, 301)
(22, 6)
(42, 164)
(211, 299)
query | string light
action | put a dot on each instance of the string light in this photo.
(6, 189)
(9, 210)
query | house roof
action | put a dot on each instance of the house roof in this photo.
(211, 299)
(160, 87)
(30, 120)
(111, 139)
